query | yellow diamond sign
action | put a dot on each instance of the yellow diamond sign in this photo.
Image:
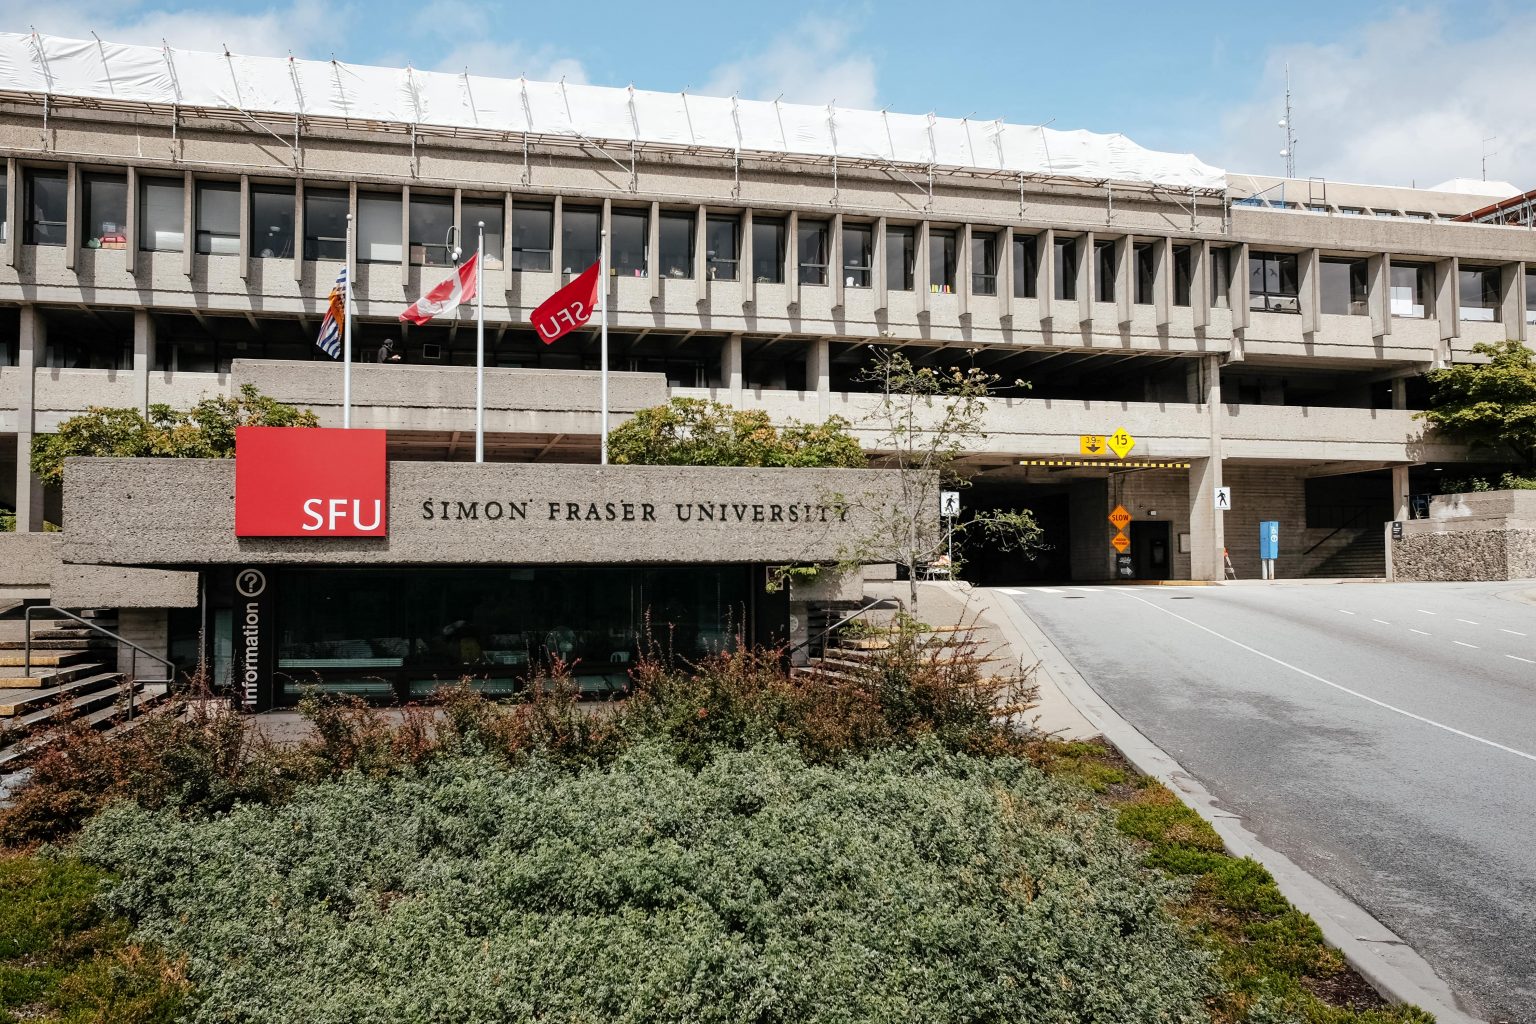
(1121, 543)
(1120, 517)
(1120, 443)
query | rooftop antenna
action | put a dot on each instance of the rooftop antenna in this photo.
(1487, 154)
(1289, 152)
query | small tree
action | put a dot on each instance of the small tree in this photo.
(698, 432)
(926, 419)
(206, 431)
(1492, 404)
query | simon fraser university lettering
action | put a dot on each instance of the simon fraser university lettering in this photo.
(441, 510)
(310, 482)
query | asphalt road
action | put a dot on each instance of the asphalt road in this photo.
(1383, 736)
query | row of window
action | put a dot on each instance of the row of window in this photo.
(1274, 281)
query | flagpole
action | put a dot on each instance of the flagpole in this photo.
(480, 346)
(602, 274)
(346, 338)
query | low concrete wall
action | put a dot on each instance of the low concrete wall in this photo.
(1481, 536)
(115, 586)
(28, 562)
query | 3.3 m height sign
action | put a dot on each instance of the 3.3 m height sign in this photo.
(310, 482)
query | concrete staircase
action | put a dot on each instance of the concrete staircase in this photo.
(73, 678)
(1363, 557)
(850, 657)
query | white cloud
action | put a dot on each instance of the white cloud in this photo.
(271, 31)
(813, 63)
(1404, 101)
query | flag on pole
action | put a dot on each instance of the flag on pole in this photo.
(330, 328)
(569, 308)
(446, 296)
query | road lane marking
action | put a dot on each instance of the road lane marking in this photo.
(1343, 689)
(1343, 611)
(1043, 590)
(1467, 621)
(1419, 631)
(1010, 591)
(1424, 612)
(1384, 622)
(1458, 643)
(1517, 657)
(1514, 632)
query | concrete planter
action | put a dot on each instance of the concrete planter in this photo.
(1472, 537)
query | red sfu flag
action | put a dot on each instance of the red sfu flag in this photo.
(569, 308)
(446, 296)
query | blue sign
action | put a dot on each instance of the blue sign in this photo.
(1269, 539)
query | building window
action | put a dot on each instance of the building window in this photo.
(161, 215)
(1104, 271)
(769, 235)
(941, 260)
(378, 228)
(900, 257)
(218, 218)
(104, 207)
(1221, 278)
(628, 255)
(676, 230)
(1344, 287)
(5, 207)
(1410, 285)
(722, 241)
(581, 230)
(1026, 266)
(431, 221)
(1145, 264)
(47, 203)
(1530, 297)
(814, 245)
(858, 254)
(325, 224)
(1066, 269)
(1183, 274)
(533, 237)
(271, 221)
(490, 212)
(984, 264)
(1479, 293)
(1274, 282)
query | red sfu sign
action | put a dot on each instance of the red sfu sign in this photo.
(569, 308)
(310, 482)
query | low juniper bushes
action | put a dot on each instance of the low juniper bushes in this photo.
(732, 844)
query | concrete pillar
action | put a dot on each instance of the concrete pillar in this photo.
(920, 275)
(405, 236)
(879, 270)
(1447, 307)
(1310, 290)
(1005, 274)
(131, 222)
(1125, 278)
(652, 249)
(1045, 273)
(701, 286)
(12, 211)
(1401, 499)
(835, 261)
(730, 369)
(1237, 297)
(72, 194)
(1087, 287)
(792, 259)
(243, 259)
(298, 229)
(1399, 392)
(963, 268)
(557, 242)
(1378, 299)
(29, 490)
(1200, 284)
(818, 373)
(143, 356)
(1207, 529)
(150, 628)
(1162, 281)
(747, 272)
(1512, 299)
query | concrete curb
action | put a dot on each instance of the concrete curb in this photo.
(1385, 961)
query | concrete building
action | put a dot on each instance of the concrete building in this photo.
(1253, 333)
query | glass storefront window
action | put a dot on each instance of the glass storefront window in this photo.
(405, 632)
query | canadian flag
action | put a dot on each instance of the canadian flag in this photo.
(446, 296)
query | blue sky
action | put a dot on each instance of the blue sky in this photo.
(1392, 93)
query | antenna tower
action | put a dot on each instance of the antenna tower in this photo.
(1289, 152)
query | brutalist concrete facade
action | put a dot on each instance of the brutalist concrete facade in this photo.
(1480, 536)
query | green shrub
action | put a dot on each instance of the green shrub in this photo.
(912, 885)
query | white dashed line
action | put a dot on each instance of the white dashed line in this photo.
(1384, 622)
(1458, 643)
(1512, 632)
(1043, 590)
(1091, 590)
(1424, 612)
(1419, 631)
(1467, 621)
(1345, 611)
(1517, 657)
(1342, 689)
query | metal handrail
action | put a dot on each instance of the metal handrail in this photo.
(873, 603)
(170, 667)
(1348, 524)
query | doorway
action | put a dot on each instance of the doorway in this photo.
(1151, 558)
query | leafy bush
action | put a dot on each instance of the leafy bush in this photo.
(206, 431)
(698, 432)
(911, 885)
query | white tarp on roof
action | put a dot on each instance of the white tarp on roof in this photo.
(275, 85)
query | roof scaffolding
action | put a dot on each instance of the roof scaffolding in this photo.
(373, 97)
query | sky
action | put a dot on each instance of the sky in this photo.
(1384, 93)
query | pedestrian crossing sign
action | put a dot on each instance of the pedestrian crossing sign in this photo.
(1223, 499)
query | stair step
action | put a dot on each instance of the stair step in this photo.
(21, 701)
(149, 699)
(98, 643)
(45, 658)
(40, 678)
(59, 710)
